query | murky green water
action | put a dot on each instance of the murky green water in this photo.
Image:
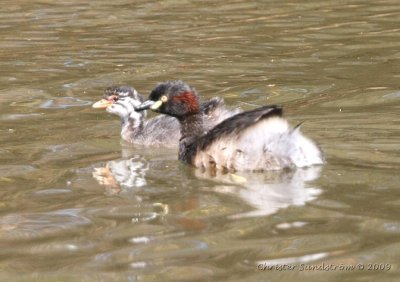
(332, 64)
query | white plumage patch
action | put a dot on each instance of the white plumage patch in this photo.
(269, 144)
(125, 108)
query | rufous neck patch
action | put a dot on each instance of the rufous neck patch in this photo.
(189, 99)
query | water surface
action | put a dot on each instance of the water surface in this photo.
(77, 204)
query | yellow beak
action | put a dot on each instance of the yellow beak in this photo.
(156, 105)
(102, 104)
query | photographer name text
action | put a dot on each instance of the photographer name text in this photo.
(325, 267)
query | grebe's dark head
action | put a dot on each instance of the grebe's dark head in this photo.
(174, 98)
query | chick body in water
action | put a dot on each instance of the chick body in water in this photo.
(160, 131)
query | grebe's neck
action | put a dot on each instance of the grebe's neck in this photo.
(192, 127)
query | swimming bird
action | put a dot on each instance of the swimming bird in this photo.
(254, 140)
(160, 131)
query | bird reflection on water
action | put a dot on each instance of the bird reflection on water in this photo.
(264, 193)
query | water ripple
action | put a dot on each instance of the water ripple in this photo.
(30, 226)
(64, 103)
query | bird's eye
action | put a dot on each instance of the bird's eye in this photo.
(164, 99)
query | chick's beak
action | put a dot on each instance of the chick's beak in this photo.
(149, 104)
(102, 104)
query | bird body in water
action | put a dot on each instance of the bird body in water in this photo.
(254, 140)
